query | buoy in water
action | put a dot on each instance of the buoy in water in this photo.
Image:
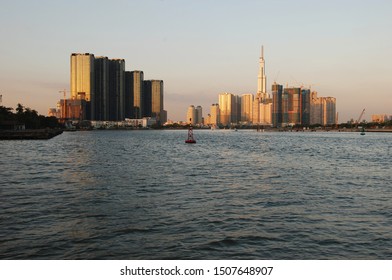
(190, 139)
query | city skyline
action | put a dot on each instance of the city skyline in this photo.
(339, 48)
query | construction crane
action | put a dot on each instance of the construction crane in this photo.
(360, 116)
(63, 116)
(64, 92)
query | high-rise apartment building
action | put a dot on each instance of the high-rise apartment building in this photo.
(265, 113)
(214, 115)
(293, 105)
(236, 109)
(330, 111)
(116, 89)
(139, 95)
(157, 100)
(191, 115)
(305, 107)
(101, 85)
(277, 105)
(199, 115)
(128, 95)
(316, 112)
(323, 110)
(226, 105)
(147, 99)
(246, 107)
(82, 80)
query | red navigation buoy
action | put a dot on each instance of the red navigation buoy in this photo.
(190, 139)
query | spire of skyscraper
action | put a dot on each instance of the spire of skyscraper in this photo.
(261, 78)
(262, 51)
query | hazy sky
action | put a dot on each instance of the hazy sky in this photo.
(201, 48)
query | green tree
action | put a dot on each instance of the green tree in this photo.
(6, 114)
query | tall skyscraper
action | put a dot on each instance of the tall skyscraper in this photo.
(277, 100)
(82, 76)
(138, 95)
(128, 95)
(147, 99)
(82, 80)
(214, 114)
(305, 107)
(265, 113)
(157, 100)
(293, 105)
(236, 109)
(260, 107)
(226, 104)
(246, 107)
(191, 115)
(116, 89)
(199, 115)
(101, 84)
(261, 78)
(330, 110)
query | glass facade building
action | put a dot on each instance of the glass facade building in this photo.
(116, 89)
(101, 85)
(138, 94)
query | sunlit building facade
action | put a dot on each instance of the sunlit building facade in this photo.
(323, 110)
(265, 113)
(293, 105)
(226, 104)
(381, 118)
(82, 80)
(191, 115)
(246, 107)
(157, 100)
(137, 84)
(329, 111)
(214, 115)
(82, 75)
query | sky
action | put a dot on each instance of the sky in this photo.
(341, 48)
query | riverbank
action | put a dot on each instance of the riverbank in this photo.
(30, 134)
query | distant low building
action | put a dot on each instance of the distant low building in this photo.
(73, 109)
(381, 118)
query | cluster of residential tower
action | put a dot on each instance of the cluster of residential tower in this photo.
(101, 90)
(286, 107)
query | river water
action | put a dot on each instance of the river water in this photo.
(233, 195)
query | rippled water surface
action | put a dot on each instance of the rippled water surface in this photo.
(233, 195)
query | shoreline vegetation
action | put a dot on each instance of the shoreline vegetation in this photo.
(26, 124)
